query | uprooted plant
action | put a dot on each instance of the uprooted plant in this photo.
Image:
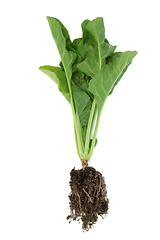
(87, 74)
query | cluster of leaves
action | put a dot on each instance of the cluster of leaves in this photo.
(88, 72)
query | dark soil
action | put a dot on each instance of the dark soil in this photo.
(88, 197)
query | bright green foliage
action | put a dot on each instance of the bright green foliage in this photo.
(88, 72)
(59, 77)
(107, 77)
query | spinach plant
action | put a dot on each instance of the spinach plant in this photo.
(87, 74)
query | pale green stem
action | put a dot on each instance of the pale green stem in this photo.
(94, 138)
(77, 133)
(89, 129)
(77, 143)
(78, 138)
(80, 132)
(93, 121)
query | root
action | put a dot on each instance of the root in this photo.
(88, 197)
(99, 187)
(79, 201)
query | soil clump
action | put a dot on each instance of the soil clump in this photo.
(88, 197)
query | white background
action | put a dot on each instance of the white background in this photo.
(37, 146)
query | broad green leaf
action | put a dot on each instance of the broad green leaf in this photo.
(86, 35)
(64, 31)
(96, 48)
(80, 97)
(120, 76)
(104, 81)
(79, 42)
(83, 106)
(97, 31)
(88, 66)
(112, 58)
(78, 46)
(77, 77)
(84, 117)
(60, 36)
(58, 76)
(78, 60)
(66, 36)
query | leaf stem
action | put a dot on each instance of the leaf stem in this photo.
(77, 132)
(80, 132)
(94, 138)
(89, 128)
(77, 142)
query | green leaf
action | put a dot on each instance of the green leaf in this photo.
(96, 48)
(97, 31)
(90, 143)
(86, 35)
(79, 42)
(104, 81)
(78, 46)
(58, 76)
(120, 76)
(84, 117)
(83, 106)
(81, 99)
(61, 38)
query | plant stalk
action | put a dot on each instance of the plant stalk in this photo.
(77, 132)
(89, 128)
(94, 138)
